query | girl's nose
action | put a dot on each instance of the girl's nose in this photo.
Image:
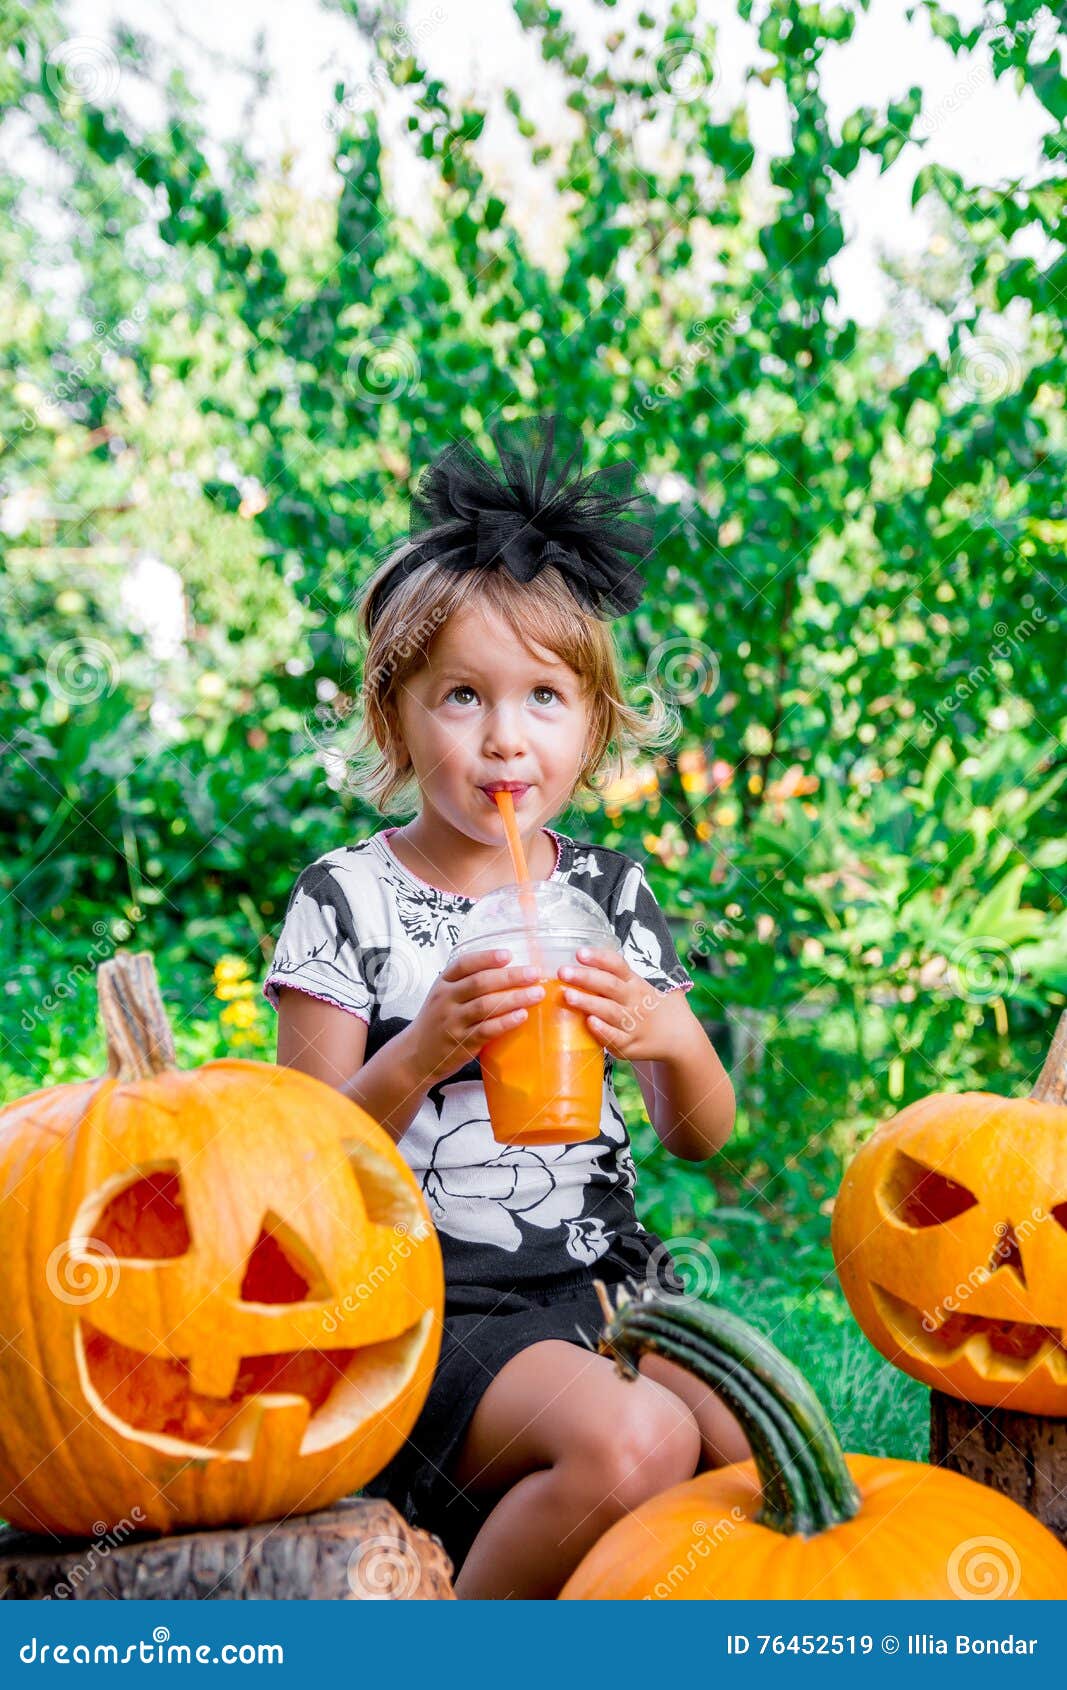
(503, 737)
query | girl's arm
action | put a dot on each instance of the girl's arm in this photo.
(329, 1043)
(688, 1093)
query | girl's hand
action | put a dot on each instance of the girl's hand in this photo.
(472, 1000)
(624, 1013)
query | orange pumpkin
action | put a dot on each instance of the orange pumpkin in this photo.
(221, 1288)
(801, 1520)
(950, 1237)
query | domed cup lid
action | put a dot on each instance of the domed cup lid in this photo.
(563, 915)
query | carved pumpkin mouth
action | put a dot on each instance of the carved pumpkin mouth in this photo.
(324, 1394)
(997, 1349)
(314, 1397)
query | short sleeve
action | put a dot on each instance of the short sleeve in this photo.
(318, 950)
(642, 927)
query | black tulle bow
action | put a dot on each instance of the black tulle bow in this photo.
(538, 509)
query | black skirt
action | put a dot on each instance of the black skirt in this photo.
(484, 1326)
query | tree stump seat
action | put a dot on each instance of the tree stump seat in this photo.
(360, 1548)
(1022, 1455)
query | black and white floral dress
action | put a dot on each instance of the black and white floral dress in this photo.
(523, 1231)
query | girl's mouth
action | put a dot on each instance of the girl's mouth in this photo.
(516, 793)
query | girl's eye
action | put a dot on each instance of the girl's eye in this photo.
(462, 687)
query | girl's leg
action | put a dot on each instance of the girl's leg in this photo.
(721, 1437)
(579, 1446)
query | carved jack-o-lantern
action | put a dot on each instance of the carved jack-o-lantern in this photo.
(950, 1238)
(220, 1292)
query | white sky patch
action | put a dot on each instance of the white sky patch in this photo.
(986, 129)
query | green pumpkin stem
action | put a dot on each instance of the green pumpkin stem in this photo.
(140, 1042)
(804, 1478)
(1051, 1084)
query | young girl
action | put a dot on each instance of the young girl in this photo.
(490, 661)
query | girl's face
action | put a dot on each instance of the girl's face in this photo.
(483, 709)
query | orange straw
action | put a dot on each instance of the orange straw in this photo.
(506, 805)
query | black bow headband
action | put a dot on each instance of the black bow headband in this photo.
(467, 515)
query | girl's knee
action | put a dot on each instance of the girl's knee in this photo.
(647, 1442)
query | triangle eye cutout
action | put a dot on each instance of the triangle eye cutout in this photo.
(145, 1220)
(281, 1268)
(921, 1196)
(1006, 1252)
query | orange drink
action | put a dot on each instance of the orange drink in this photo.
(544, 1079)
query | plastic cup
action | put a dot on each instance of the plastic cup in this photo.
(544, 1078)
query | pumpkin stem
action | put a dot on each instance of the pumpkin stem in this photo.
(802, 1471)
(139, 1038)
(1051, 1084)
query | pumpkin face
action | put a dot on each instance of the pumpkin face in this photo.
(950, 1238)
(225, 1294)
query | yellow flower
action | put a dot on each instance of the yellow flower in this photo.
(240, 1015)
(231, 968)
(231, 978)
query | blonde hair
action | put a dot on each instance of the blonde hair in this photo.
(542, 611)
